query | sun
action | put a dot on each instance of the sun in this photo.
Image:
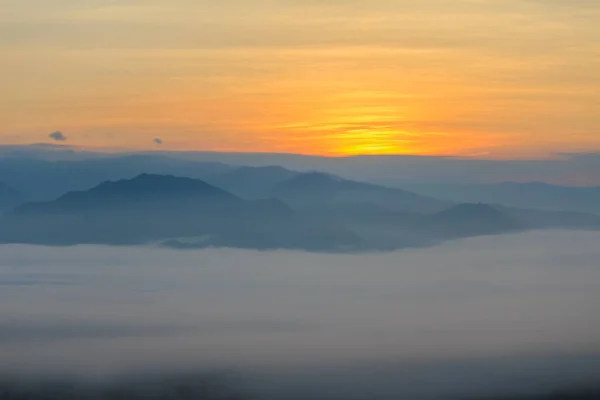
(380, 140)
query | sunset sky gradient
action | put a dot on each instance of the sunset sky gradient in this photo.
(485, 78)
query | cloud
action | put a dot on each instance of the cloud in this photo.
(158, 141)
(478, 317)
(58, 136)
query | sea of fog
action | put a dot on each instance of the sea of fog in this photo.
(487, 315)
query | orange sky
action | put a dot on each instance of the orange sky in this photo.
(494, 78)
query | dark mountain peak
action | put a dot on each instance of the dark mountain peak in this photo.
(158, 186)
(144, 209)
(142, 190)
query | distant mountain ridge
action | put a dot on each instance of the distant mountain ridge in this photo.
(319, 189)
(252, 182)
(143, 189)
(51, 175)
(45, 180)
(326, 214)
(537, 195)
(473, 219)
(154, 208)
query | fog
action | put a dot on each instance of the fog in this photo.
(500, 314)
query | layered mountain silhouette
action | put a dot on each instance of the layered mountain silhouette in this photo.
(313, 211)
(57, 170)
(45, 180)
(252, 182)
(466, 220)
(153, 208)
(315, 189)
(538, 195)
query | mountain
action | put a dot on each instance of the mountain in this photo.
(44, 180)
(542, 219)
(145, 190)
(465, 220)
(145, 208)
(475, 219)
(9, 198)
(328, 214)
(534, 195)
(184, 212)
(252, 182)
(315, 189)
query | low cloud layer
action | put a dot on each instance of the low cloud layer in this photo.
(505, 313)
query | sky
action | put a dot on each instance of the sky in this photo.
(482, 78)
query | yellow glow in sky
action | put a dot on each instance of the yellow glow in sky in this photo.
(504, 78)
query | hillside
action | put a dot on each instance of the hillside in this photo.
(319, 189)
(533, 195)
(9, 197)
(154, 208)
(466, 220)
(252, 182)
